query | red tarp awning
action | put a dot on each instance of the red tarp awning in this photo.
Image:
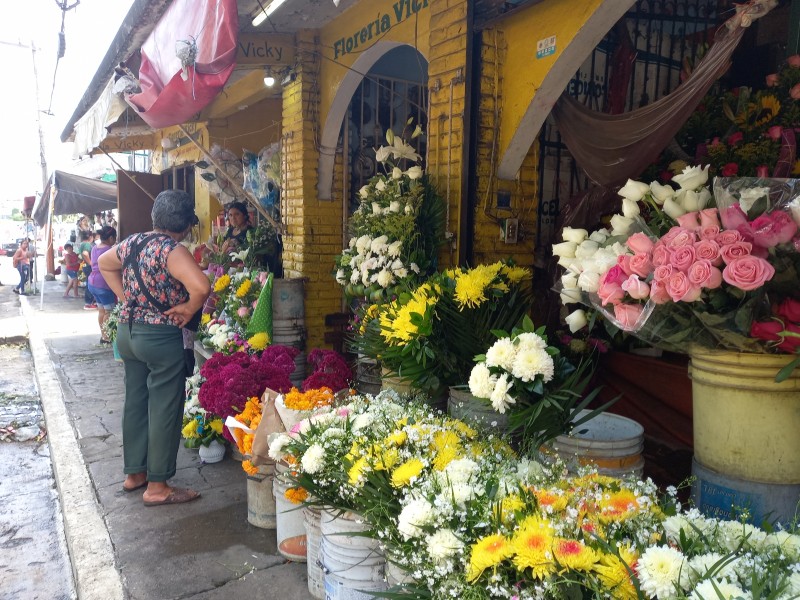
(167, 98)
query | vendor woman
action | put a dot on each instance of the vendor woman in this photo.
(238, 226)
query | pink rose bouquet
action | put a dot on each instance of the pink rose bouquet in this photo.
(723, 276)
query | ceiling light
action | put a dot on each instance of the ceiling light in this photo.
(262, 14)
(269, 78)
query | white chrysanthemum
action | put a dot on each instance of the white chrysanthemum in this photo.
(379, 245)
(500, 398)
(340, 276)
(415, 515)
(443, 544)
(355, 276)
(314, 459)
(660, 570)
(731, 534)
(481, 381)
(707, 566)
(459, 493)
(718, 590)
(363, 420)
(277, 445)
(674, 524)
(384, 278)
(363, 243)
(461, 470)
(394, 248)
(788, 543)
(530, 341)
(530, 363)
(501, 354)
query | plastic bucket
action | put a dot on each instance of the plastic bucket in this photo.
(288, 299)
(474, 411)
(352, 564)
(260, 498)
(316, 579)
(290, 528)
(725, 497)
(746, 425)
(611, 442)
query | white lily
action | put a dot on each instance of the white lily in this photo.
(240, 255)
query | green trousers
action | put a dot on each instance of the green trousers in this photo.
(155, 380)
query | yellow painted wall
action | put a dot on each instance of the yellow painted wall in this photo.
(489, 242)
(523, 73)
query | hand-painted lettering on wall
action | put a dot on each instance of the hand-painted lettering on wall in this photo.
(403, 9)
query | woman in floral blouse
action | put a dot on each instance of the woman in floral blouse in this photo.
(161, 288)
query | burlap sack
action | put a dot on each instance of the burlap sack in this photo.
(270, 423)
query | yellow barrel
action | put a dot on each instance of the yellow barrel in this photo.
(746, 425)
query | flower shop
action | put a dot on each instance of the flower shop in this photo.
(527, 314)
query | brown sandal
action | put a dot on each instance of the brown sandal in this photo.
(176, 496)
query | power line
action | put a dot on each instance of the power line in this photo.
(62, 46)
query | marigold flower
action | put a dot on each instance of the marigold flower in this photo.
(249, 467)
(296, 495)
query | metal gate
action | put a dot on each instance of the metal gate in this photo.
(666, 36)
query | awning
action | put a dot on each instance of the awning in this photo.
(171, 91)
(91, 128)
(75, 195)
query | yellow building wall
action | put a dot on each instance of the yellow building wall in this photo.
(523, 72)
(490, 242)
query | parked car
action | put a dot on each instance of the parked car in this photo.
(8, 248)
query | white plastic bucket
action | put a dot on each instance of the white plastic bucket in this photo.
(316, 579)
(353, 565)
(290, 528)
(260, 499)
(612, 443)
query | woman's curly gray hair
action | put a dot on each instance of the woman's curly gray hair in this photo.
(173, 211)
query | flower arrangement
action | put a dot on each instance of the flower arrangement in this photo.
(250, 417)
(702, 276)
(466, 518)
(200, 428)
(431, 334)
(230, 380)
(111, 324)
(397, 228)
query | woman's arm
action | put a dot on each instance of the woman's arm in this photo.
(111, 269)
(181, 265)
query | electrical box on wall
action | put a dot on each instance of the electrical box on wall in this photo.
(511, 231)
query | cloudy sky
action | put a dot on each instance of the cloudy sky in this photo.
(89, 29)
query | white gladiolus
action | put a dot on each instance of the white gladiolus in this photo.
(570, 234)
(634, 190)
(397, 173)
(576, 320)
(673, 209)
(565, 249)
(660, 192)
(589, 281)
(620, 225)
(692, 178)
(630, 208)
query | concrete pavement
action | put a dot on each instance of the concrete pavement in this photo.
(120, 549)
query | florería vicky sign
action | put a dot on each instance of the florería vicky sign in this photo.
(402, 10)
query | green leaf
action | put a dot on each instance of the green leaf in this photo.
(786, 371)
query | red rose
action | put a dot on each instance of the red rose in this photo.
(735, 138)
(766, 330)
(789, 309)
(730, 169)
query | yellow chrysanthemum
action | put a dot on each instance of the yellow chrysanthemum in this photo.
(357, 470)
(551, 499)
(216, 426)
(205, 318)
(396, 325)
(445, 456)
(249, 467)
(488, 552)
(385, 460)
(190, 430)
(510, 505)
(515, 274)
(259, 341)
(615, 574)
(471, 285)
(462, 428)
(296, 495)
(445, 438)
(222, 283)
(574, 555)
(398, 438)
(407, 471)
(532, 546)
(243, 288)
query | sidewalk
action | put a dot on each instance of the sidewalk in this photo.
(119, 548)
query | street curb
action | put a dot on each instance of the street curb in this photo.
(90, 550)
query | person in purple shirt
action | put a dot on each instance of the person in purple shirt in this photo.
(105, 298)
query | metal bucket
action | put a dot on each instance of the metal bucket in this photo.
(260, 498)
(474, 411)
